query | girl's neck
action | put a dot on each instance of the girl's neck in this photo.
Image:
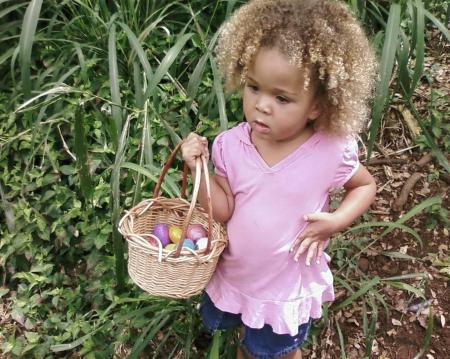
(273, 152)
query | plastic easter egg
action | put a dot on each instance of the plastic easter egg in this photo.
(175, 234)
(189, 244)
(201, 243)
(161, 231)
(195, 232)
(171, 247)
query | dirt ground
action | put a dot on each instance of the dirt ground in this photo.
(401, 334)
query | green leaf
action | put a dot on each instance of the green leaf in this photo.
(136, 46)
(81, 145)
(419, 44)
(3, 291)
(171, 189)
(29, 25)
(385, 70)
(428, 334)
(114, 79)
(214, 353)
(218, 90)
(411, 213)
(363, 290)
(165, 64)
(407, 287)
(442, 28)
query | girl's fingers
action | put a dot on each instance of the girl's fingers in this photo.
(312, 250)
(320, 249)
(305, 243)
(298, 240)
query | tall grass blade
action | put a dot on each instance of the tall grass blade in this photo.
(386, 69)
(165, 64)
(413, 211)
(136, 46)
(214, 352)
(143, 340)
(419, 45)
(172, 133)
(442, 159)
(195, 80)
(29, 26)
(138, 90)
(82, 62)
(370, 334)
(81, 145)
(403, 54)
(169, 187)
(10, 9)
(363, 290)
(218, 90)
(6, 55)
(59, 90)
(341, 339)
(115, 200)
(230, 7)
(407, 287)
(196, 76)
(442, 28)
(147, 145)
(391, 226)
(114, 79)
(428, 334)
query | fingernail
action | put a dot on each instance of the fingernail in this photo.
(308, 263)
(305, 218)
(318, 261)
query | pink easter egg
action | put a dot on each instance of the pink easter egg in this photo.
(195, 232)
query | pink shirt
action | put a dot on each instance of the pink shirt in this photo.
(257, 275)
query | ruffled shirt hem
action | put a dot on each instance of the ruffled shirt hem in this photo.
(283, 316)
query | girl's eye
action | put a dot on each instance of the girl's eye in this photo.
(282, 99)
(252, 88)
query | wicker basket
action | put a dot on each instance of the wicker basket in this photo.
(182, 272)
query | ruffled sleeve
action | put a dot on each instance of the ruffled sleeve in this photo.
(217, 156)
(348, 165)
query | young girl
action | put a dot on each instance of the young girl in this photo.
(305, 70)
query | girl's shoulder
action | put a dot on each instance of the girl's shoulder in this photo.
(237, 134)
(337, 143)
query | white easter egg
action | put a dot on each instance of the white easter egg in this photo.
(201, 243)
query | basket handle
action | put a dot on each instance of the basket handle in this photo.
(200, 163)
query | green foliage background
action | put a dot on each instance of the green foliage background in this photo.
(93, 94)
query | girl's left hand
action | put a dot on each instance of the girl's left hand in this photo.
(313, 239)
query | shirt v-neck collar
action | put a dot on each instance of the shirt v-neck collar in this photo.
(244, 136)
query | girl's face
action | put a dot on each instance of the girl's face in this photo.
(276, 105)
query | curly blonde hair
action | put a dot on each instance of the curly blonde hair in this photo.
(321, 35)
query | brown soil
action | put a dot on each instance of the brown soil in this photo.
(400, 334)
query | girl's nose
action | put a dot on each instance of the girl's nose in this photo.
(262, 105)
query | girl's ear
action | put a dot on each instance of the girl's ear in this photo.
(315, 111)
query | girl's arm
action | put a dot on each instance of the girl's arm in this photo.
(359, 194)
(222, 199)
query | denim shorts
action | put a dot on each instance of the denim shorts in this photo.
(260, 343)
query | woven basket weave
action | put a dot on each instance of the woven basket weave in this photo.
(182, 272)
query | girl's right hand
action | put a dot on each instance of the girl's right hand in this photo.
(194, 146)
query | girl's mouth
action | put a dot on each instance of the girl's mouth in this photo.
(260, 126)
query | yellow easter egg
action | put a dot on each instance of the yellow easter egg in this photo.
(175, 234)
(171, 246)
